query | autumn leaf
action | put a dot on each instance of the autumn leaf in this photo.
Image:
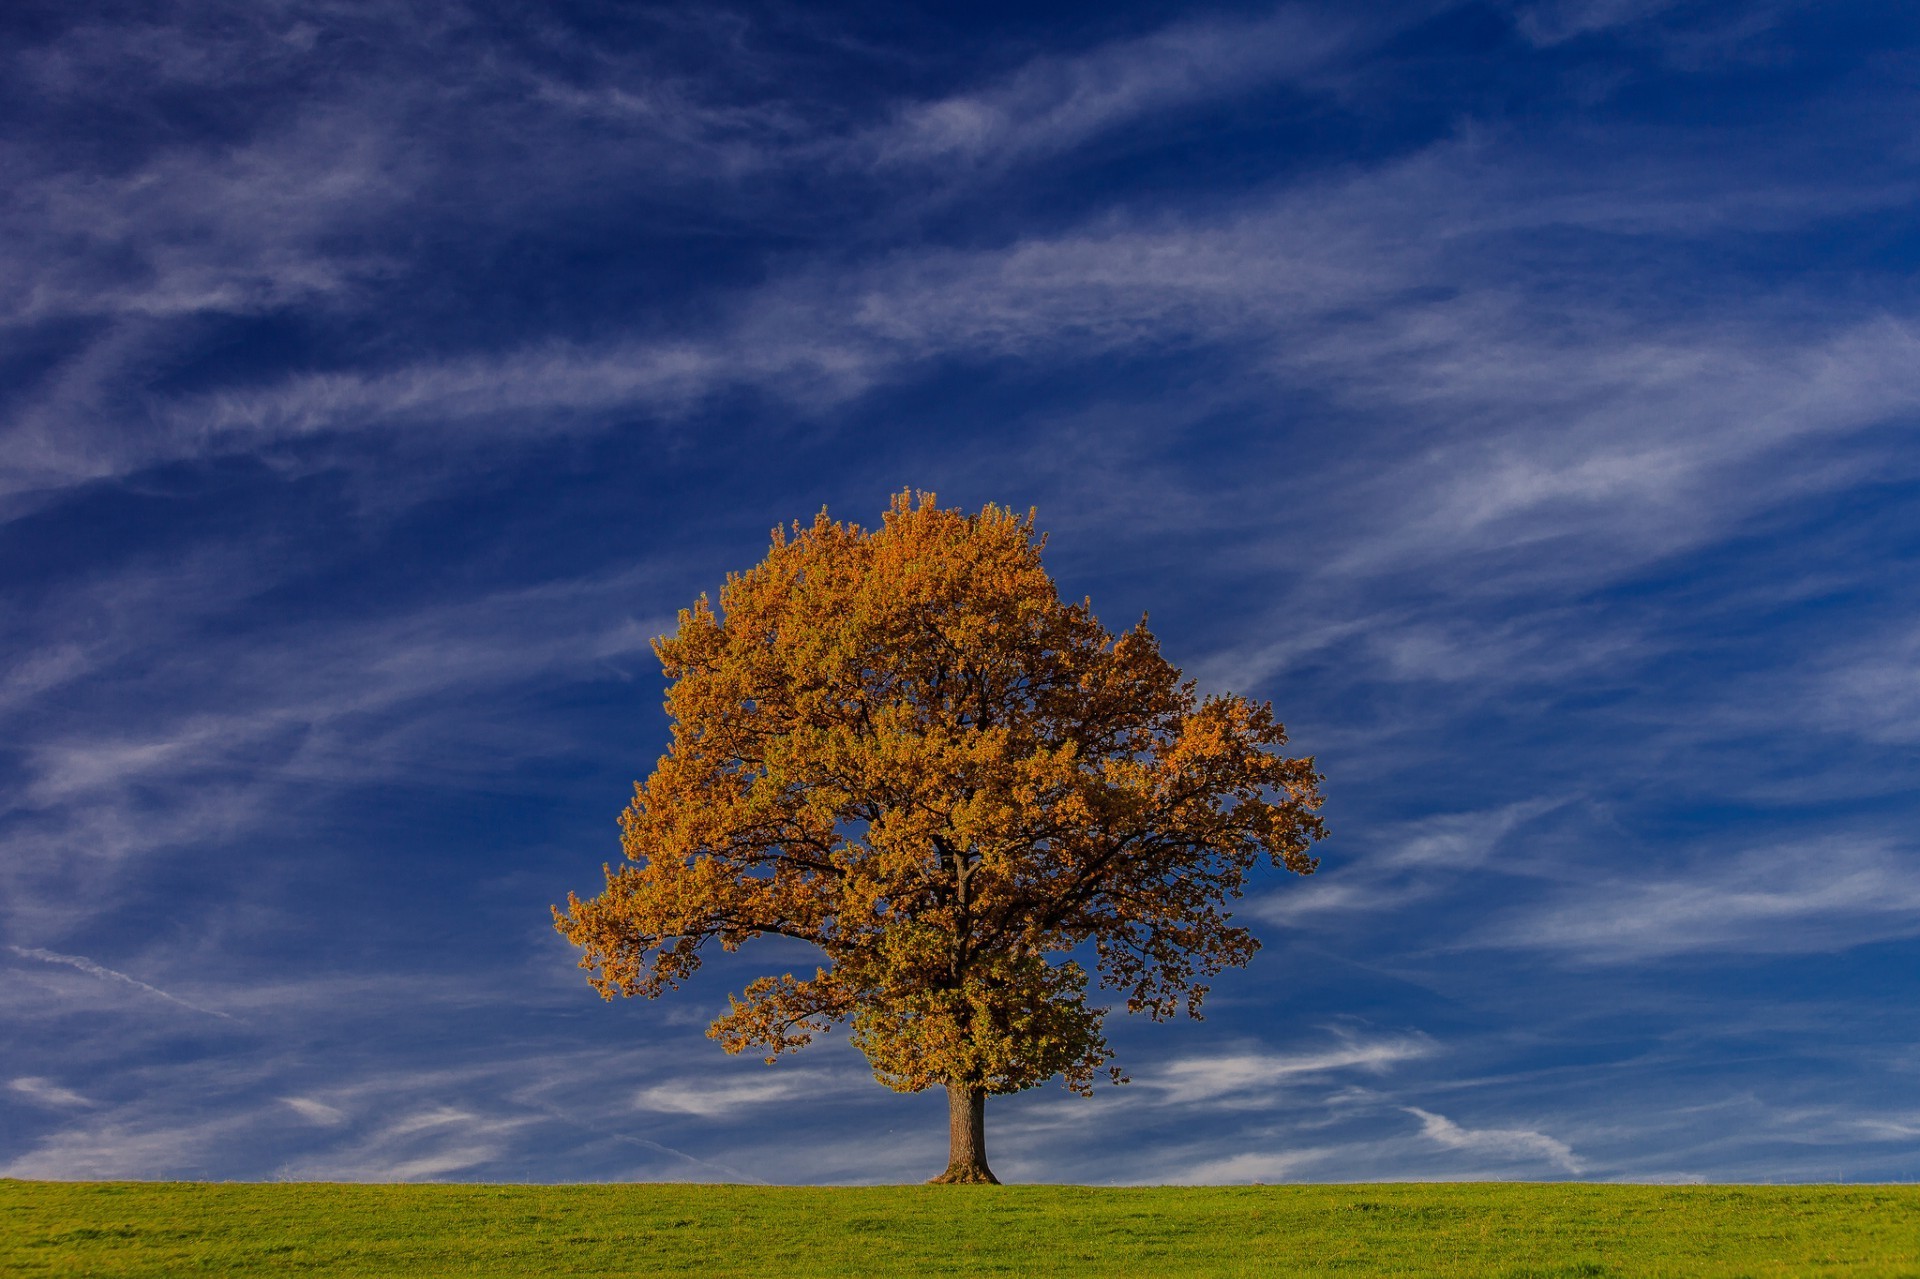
(902, 746)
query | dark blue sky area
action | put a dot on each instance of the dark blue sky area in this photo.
(1521, 395)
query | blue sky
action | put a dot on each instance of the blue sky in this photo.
(1520, 395)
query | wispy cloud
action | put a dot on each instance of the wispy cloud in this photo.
(317, 1112)
(1250, 1078)
(1054, 104)
(47, 1093)
(1822, 895)
(273, 715)
(708, 1097)
(1239, 1169)
(1397, 864)
(518, 1114)
(1506, 1144)
(1869, 689)
(1690, 37)
(1323, 277)
(92, 969)
(1556, 21)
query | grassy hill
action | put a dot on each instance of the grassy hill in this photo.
(1480, 1229)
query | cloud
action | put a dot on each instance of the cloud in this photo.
(1517, 1144)
(1274, 273)
(317, 1112)
(1689, 37)
(710, 1097)
(1820, 895)
(1251, 1078)
(124, 1145)
(1557, 21)
(1053, 104)
(1870, 690)
(1395, 864)
(264, 717)
(1408, 265)
(1457, 841)
(47, 1093)
(301, 1107)
(1890, 1128)
(1246, 1167)
(251, 211)
(92, 969)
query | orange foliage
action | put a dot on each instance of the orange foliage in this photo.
(901, 746)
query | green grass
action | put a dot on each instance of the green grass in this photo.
(1480, 1229)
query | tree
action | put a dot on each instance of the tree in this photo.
(901, 746)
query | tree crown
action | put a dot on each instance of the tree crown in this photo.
(901, 746)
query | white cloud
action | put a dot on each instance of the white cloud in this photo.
(1870, 690)
(1321, 283)
(430, 1167)
(1457, 841)
(711, 1097)
(301, 1113)
(1515, 1144)
(272, 715)
(1251, 1078)
(1556, 21)
(150, 1141)
(430, 1117)
(85, 965)
(1820, 895)
(1691, 37)
(47, 1093)
(1053, 104)
(1889, 1128)
(317, 1112)
(1398, 863)
(1251, 1166)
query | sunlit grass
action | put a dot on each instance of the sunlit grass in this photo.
(1479, 1229)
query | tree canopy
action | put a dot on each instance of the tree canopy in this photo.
(902, 746)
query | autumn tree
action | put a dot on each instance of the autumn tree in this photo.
(901, 746)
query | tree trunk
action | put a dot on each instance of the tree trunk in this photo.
(966, 1138)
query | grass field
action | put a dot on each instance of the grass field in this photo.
(122, 1228)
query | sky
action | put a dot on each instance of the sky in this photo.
(1522, 395)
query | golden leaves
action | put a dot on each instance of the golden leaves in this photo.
(901, 746)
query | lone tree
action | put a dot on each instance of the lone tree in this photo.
(901, 746)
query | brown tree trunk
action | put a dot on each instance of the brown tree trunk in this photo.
(966, 1138)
